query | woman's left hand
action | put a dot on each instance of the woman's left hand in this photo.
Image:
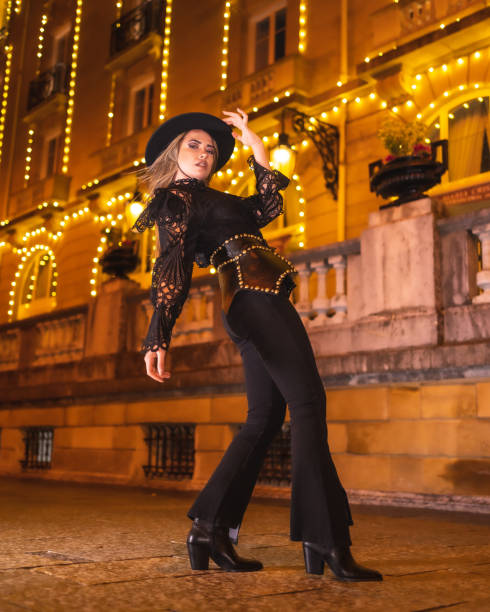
(240, 121)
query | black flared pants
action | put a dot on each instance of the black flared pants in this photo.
(280, 369)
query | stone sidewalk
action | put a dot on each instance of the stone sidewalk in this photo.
(75, 547)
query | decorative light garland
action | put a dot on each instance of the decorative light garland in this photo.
(8, 14)
(3, 112)
(165, 56)
(30, 138)
(110, 112)
(18, 6)
(71, 91)
(40, 44)
(303, 15)
(26, 253)
(225, 46)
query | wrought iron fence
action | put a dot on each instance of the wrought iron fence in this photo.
(276, 469)
(38, 448)
(54, 80)
(136, 24)
(170, 450)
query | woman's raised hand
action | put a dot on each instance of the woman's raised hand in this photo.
(247, 137)
(240, 120)
(155, 365)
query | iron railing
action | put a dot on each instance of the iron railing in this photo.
(38, 448)
(170, 450)
(48, 83)
(134, 25)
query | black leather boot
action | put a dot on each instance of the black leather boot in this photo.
(339, 560)
(207, 540)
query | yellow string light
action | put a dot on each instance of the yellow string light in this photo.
(30, 138)
(5, 93)
(303, 13)
(165, 56)
(8, 14)
(18, 6)
(40, 42)
(71, 91)
(225, 45)
(27, 252)
(112, 95)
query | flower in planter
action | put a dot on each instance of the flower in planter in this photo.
(402, 138)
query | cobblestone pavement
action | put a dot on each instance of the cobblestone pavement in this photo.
(73, 547)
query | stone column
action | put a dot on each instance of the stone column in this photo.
(107, 317)
(339, 301)
(321, 302)
(303, 305)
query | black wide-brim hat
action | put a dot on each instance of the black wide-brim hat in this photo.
(215, 127)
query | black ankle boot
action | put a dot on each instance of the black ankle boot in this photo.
(207, 540)
(339, 560)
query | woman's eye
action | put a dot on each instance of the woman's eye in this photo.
(193, 145)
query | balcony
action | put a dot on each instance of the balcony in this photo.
(137, 33)
(412, 29)
(54, 187)
(47, 93)
(292, 73)
(123, 152)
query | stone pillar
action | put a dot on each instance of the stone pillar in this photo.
(321, 302)
(303, 305)
(400, 259)
(107, 317)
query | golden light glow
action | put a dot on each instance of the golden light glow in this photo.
(165, 56)
(225, 45)
(303, 18)
(26, 253)
(5, 93)
(40, 42)
(71, 91)
(27, 169)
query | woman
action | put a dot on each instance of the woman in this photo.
(196, 223)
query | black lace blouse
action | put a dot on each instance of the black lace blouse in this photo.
(193, 220)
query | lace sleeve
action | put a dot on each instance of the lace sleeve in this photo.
(267, 204)
(171, 274)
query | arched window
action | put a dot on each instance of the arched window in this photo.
(467, 128)
(37, 291)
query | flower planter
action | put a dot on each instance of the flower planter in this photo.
(119, 261)
(409, 176)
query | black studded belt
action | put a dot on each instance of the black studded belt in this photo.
(246, 261)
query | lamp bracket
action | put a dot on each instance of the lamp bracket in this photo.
(325, 137)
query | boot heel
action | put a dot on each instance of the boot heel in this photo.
(314, 563)
(198, 556)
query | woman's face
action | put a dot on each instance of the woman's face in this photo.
(196, 155)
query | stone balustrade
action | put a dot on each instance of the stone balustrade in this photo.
(60, 340)
(9, 349)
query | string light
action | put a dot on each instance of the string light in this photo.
(165, 55)
(18, 6)
(224, 48)
(71, 91)
(5, 93)
(40, 44)
(8, 14)
(302, 26)
(27, 252)
(27, 169)
(112, 95)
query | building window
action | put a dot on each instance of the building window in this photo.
(170, 450)
(52, 150)
(38, 448)
(467, 128)
(142, 103)
(270, 39)
(38, 287)
(468, 135)
(276, 469)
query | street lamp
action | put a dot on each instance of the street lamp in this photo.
(283, 156)
(324, 136)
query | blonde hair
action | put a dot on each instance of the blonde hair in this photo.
(163, 170)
